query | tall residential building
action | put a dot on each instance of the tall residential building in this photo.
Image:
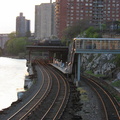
(22, 26)
(44, 20)
(96, 11)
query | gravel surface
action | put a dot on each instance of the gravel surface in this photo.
(88, 107)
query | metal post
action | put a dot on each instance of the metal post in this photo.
(78, 71)
(29, 56)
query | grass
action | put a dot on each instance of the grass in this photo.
(117, 98)
(116, 83)
(97, 75)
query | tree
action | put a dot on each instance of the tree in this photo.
(15, 46)
(12, 35)
(73, 31)
(117, 60)
(91, 32)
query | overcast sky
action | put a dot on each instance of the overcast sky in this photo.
(10, 9)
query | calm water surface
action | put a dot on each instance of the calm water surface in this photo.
(12, 74)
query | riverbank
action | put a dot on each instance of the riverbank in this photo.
(16, 105)
(12, 73)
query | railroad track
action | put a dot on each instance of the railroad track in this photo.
(50, 100)
(110, 105)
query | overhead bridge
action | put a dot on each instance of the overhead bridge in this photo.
(60, 51)
(48, 48)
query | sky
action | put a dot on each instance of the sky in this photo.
(10, 9)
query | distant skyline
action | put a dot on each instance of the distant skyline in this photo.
(10, 9)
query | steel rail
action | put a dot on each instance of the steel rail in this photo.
(66, 85)
(43, 96)
(54, 98)
(108, 96)
(65, 97)
(43, 81)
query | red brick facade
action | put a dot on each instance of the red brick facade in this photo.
(96, 11)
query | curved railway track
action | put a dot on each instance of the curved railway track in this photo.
(110, 105)
(49, 101)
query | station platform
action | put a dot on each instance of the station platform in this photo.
(62, 69)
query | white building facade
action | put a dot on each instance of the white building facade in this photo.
(44, 21)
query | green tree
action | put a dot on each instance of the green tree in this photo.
(91, 32)
(73, 31)
(12, 35)
(15, 46)
(117, 60)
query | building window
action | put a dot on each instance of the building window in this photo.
(113, 1)
(90, 7)
(117, 15)
(113, 15)
(90, 4)
(113, 11)
(68, 25)
(117, 5)
(113, 5)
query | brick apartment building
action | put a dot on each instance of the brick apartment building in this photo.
(96, 11)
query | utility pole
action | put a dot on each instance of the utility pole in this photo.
(50, 1)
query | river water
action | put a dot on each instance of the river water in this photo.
(12, 75)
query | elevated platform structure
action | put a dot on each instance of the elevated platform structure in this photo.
(78, 47)
(98, 45)
(90, 45)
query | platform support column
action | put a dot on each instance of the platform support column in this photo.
(29, 56)
(78, 70)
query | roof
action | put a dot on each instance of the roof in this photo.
(111, 39)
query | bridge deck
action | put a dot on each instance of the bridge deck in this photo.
(47, 48)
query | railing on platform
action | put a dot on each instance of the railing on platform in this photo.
(97, 43)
